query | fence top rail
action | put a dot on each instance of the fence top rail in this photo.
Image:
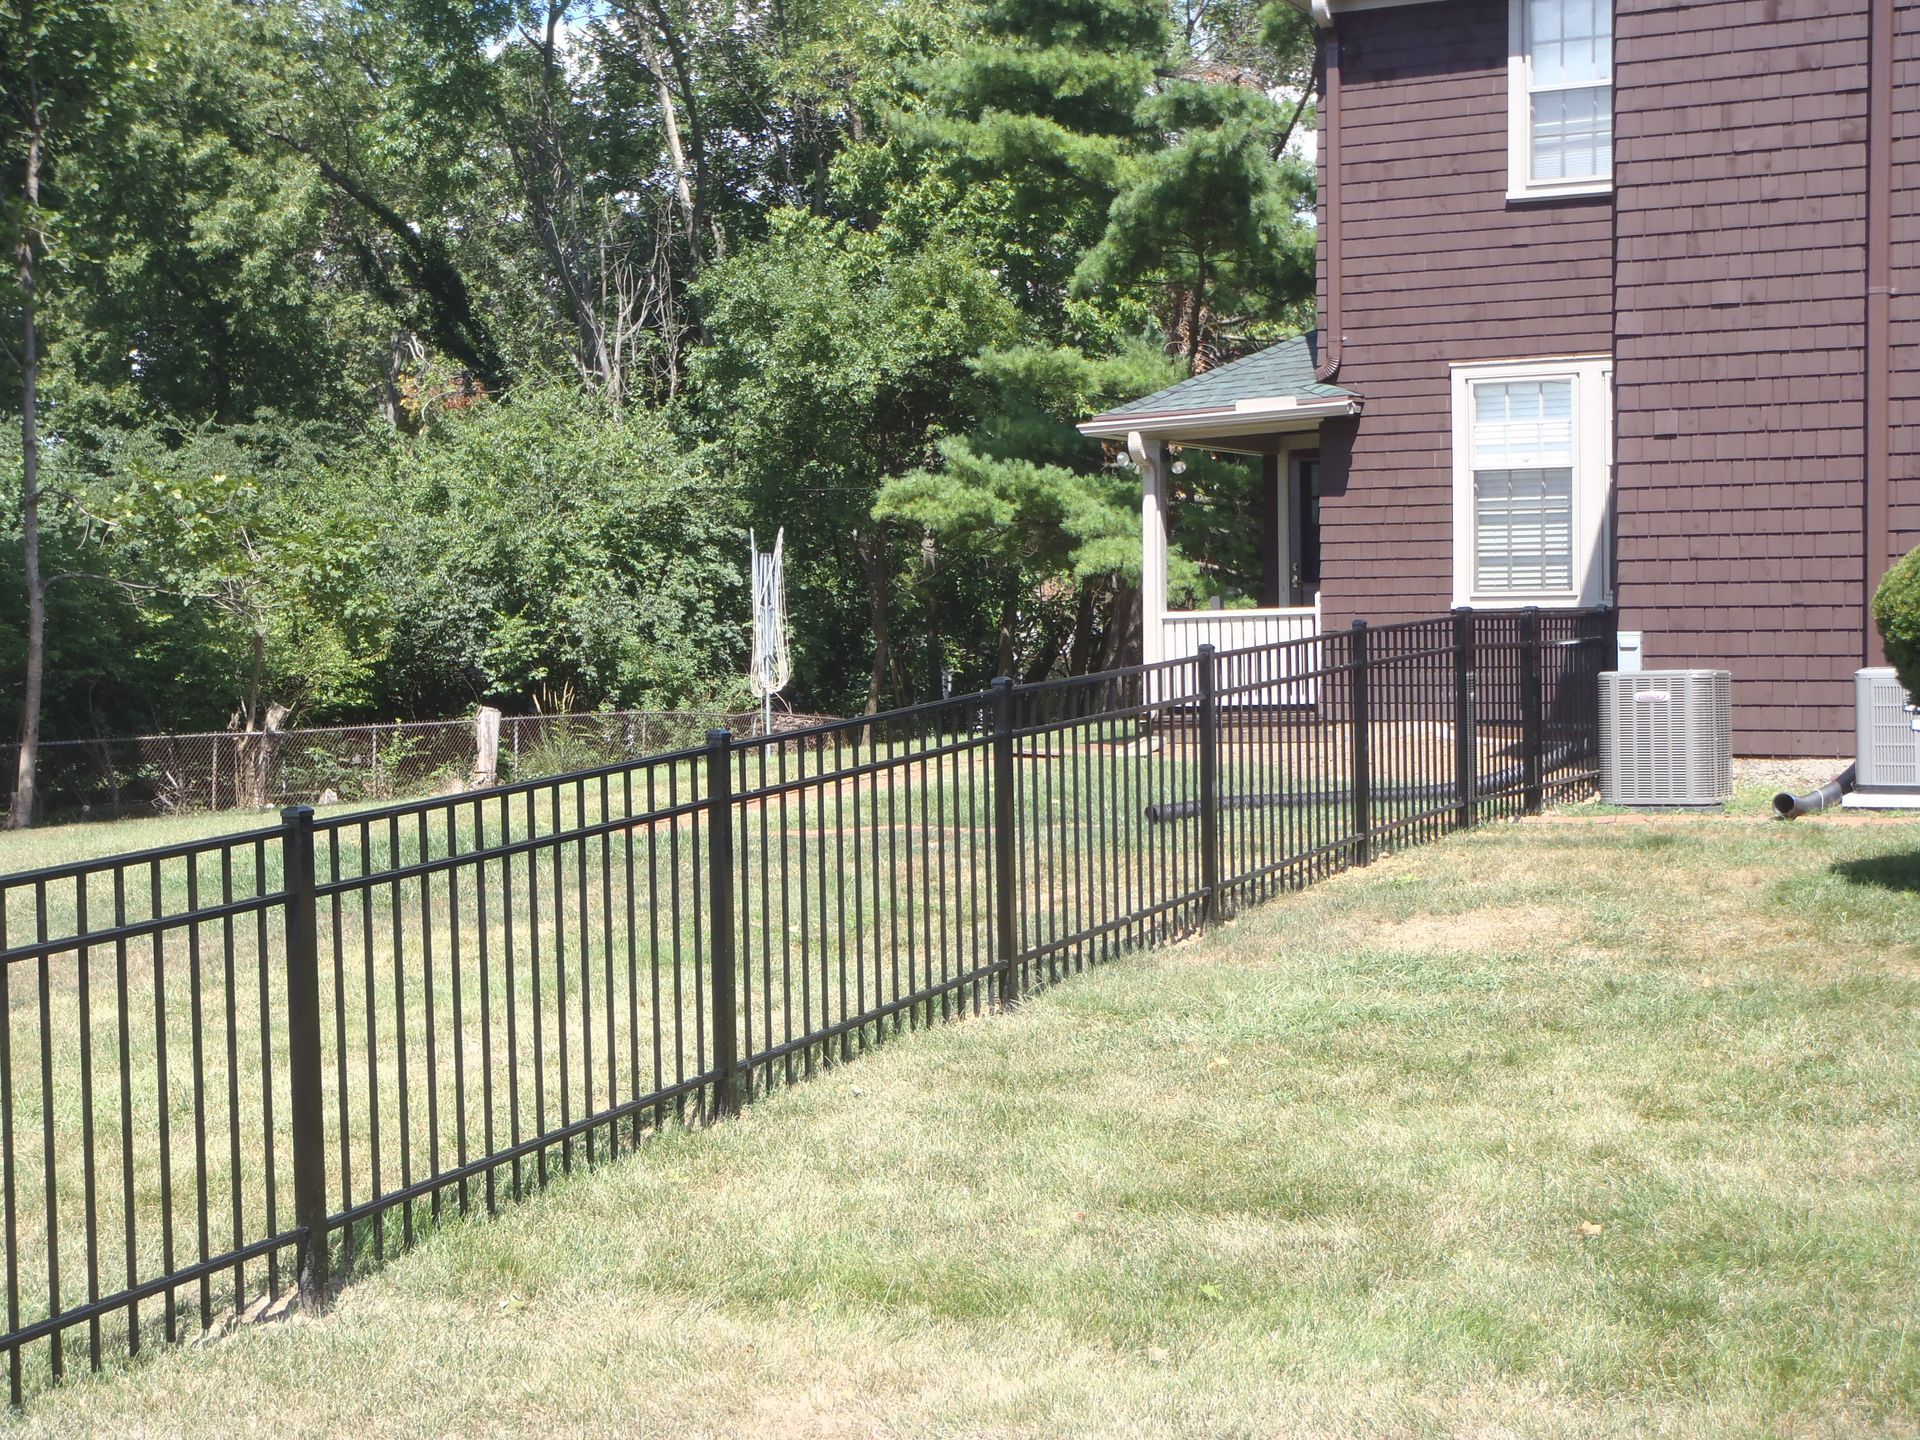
(394, 873)
(1320, 666)
(400, 809)
(828, 728)
(135, 859)
(750, 789)
(1120, 672)
(120, 933)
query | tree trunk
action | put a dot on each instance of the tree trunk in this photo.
(1120, 644)
(1003, 659)
(1196, 312)
(677, 156)
(1086, 634)
(25, 790)
(1044, 659)
(872, 548)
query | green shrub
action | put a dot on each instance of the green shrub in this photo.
(1896, 610)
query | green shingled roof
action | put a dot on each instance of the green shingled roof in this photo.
(1282, 369)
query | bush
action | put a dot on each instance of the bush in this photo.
(554, 543)
(1896, 610)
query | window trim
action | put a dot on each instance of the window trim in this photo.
(1520, 182)
(1592, 377)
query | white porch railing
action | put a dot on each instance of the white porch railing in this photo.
(1272, 675)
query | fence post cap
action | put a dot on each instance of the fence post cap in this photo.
(1463, 610)
(1000, 682)
(719, 735)
(1359, 625)
(297, 814)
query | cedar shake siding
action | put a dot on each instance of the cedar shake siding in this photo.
(1438, 267)
(1727, 275)
(1741, 137)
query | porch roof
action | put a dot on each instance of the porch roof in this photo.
(1270, 392)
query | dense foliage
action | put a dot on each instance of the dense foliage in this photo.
(397, 355)
(1896, 610)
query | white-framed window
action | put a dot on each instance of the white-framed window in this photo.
(1559, 98)
(1532, 480)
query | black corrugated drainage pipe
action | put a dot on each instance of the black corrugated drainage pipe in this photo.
(1790, 807)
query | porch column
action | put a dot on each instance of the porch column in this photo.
(1274, 559)
(1151, 457)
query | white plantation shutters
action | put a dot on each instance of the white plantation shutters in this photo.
(1532, 481)
(1523, 464)
(1523, 531)
(1562, 76)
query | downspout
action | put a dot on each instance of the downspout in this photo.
(1330, 159)
(1877, 538)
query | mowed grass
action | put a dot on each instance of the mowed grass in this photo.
(1561, 1128)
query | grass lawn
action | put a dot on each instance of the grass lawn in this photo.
(1574, 1127)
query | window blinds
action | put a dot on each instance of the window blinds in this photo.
(1523, 467)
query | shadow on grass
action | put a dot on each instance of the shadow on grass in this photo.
(1884, 872)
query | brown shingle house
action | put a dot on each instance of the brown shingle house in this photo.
(1619, 304)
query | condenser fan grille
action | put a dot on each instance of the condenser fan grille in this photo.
(1888, 738)
(1666, 737)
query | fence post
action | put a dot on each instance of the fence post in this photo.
(1359, 714)
(1530, 707)
(725, 1008)
(303, 1050)
(1005, 897)
(486, 749)
(1466, 743)
(1209, 785)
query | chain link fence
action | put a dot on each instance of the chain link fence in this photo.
(239, 770)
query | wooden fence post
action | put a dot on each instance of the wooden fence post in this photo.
(486, 749)
(303, 1051)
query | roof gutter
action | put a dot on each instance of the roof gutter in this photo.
(1247, 417)
(1876, 527)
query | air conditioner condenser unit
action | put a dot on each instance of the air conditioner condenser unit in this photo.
(1887, 734)
(1666, 738)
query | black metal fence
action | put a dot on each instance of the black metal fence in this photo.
(238, 1066)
